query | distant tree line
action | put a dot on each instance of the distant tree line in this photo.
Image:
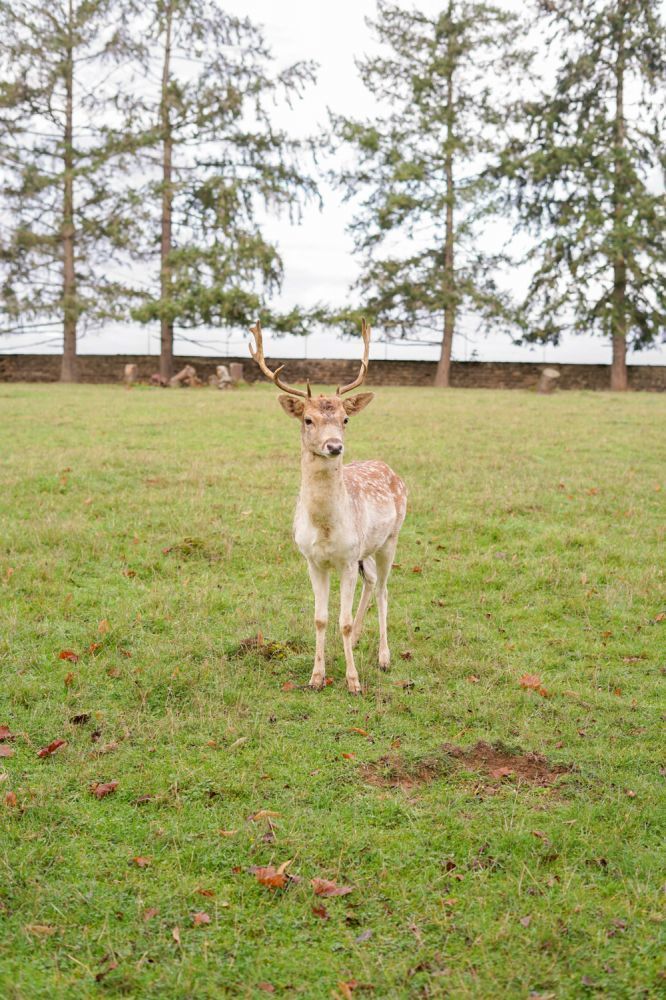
(138, 152)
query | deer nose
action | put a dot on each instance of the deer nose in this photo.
(334, 446)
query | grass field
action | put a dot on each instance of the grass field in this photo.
(149, 533)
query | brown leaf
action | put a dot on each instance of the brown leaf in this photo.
(80, 719)
(349, 756)
(272, 877)
(101, 789)
(68, 679)
(68, 654)
(151, 912)
(288, 686)
(661, 617)
(473, 679)
(94, 646)
(328, 681)
(103, 626)
(141, 862)
(10, 800)
(540, 834)
(361, 732)
(5, 734)
(175, 934)
(264, 814)
(405, 685)
(266, 987)
(227, 833)
(51, 748)
(209, 893)
(346, 988)
(200, 919)
(6, 751)
(417, 569)
(630, 794)
(407, 655)
(526, 921)
(530, 681)
(321, 912)
(324, 887)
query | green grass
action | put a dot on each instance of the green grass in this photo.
(538, 526)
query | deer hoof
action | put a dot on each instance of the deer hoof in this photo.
(353, 685)
(384, 661)
(317, 682)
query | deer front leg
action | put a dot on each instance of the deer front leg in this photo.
(347, 586)
(321, 581)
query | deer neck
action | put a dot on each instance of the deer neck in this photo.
(323, 492)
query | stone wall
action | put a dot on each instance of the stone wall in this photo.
(464, 374)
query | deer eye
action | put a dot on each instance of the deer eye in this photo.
(308, 421)
(346, 420)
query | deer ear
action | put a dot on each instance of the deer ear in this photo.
(356, 403)
(294, 407)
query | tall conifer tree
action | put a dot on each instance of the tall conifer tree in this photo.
(445, 83)
(215, 160)
(587, 177)
(63, 217)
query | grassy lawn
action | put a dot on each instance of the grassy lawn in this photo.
(149, 533)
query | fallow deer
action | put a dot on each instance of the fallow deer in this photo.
(347, 516)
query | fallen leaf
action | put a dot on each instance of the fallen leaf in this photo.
(107, 748)
(266, 987)
(175, 934)
(630, 794)
(94, 646)
(363, 936)
(141, 862)
(103, 626)
(473, 679)
(361, 732)
(101, 789)
(10, 800)
(209, 893)
(68, 654)
(321, 912)
(526, 921)
(328, 681)
(227, 833)
(68, 679)
(129, 572)
(324, 887)
(80, 719)
(396, 743)
(501, 772)
(241, 741)
(530, 681)
(407, 655)
(151, 912)
(6, 751)
(540, 834)
(417, 569)
(405, 685)
(264, 814)
(51, 748)
(288, 686)
(5, 734)
(272, 877)
(200, 919)
(349, 756)
(661, 617)
(104, 972)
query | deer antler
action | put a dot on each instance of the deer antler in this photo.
(360, 378)
(258, 356)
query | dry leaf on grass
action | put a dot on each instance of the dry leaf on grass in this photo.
(272, 877)
(10, 800)
(103, 788)
(40, 930)
(530, 681)
(6, 751)
(141, 862)
(5, 734)
(175, 934)
(325, 887)
(51, 748)
(68, 654)
(200, 919)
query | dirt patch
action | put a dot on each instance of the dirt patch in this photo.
(269, 649)
(393, 771)
(502, 764)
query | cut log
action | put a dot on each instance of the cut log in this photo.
(130, 375)
(187, 376)
(236, 372)
(548, 381)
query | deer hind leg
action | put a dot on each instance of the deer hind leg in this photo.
(348, 576)
(321, 582)
(369, 574)
(384, 561)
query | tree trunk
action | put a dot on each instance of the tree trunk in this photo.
(618, 375)
(166, 323)
(442, 375)
(68, 371)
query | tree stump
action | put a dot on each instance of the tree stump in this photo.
(236, 372)
(224, 380)
(130, 375)
(548, 381)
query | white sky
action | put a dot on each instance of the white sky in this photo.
(317, 254)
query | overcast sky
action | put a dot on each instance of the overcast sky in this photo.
(318, 261)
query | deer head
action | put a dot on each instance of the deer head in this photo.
(323, 418)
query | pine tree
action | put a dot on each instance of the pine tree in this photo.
(445, 82)
(587, 177)
(215, 160)
(64, 218)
